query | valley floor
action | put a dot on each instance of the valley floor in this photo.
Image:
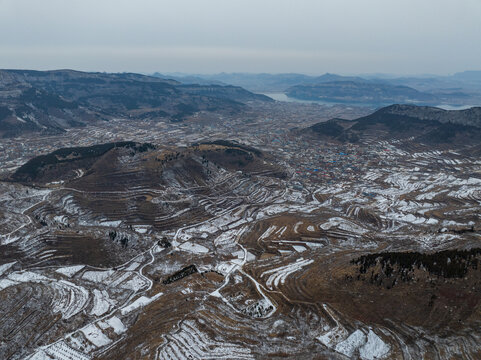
(204, 252)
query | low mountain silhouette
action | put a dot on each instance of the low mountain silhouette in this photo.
(359, 92)
(94, 167)
(52, 101)
(424, 124)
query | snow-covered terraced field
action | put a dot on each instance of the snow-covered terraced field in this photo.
(177, 256)
(190, 343)
(278, 276)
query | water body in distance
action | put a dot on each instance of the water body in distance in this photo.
(284, 97)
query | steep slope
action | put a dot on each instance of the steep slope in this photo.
(471, 116)
(424, 124)
(94, 167)
(28, 109)
(55, 100)
(64, 164)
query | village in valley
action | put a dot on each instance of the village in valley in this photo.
(242, 219)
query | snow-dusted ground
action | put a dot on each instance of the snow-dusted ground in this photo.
(70, 271)
(140, 302)
(95, 335)
(190, 343)
(279, 275)
(113, 323)
(343, 224)
(374, 348)
(193, 247)
(102, 303)
(369, 346)
(59, 351)
(353, 342)
(5, 267)
(404, 199)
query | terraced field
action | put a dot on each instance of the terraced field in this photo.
(221, 251)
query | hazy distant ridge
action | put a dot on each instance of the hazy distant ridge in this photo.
(51, 101)
(459, 89)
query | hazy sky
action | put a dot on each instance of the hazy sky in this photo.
(209, 36)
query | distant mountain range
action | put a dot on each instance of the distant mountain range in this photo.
(52, 101)
(422, 124)
(459, 89)
(361, 92)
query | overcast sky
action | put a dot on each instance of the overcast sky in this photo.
(210, 36)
